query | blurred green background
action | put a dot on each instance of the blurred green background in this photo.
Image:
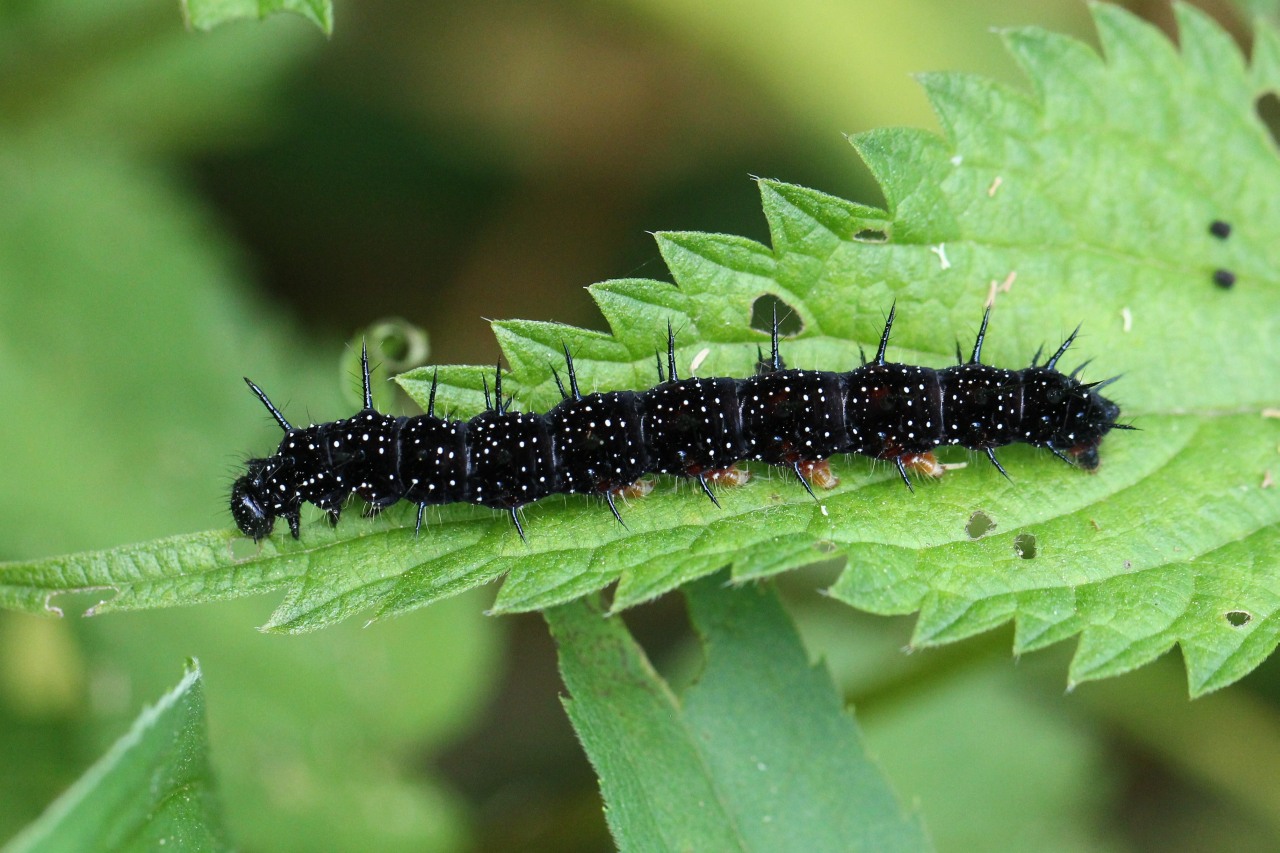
(178, 210)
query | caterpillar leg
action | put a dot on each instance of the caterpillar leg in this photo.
(818, 473)
(922, 463)
(638, 489)
(729, 476)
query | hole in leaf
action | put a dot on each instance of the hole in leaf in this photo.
(871, 235)
(1239, 618)
(789, 323)
(980, 524)
(80, 602)
(1268, 108)
(1024, 544)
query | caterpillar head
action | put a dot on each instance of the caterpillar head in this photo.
(251, 505)
(1086, 418)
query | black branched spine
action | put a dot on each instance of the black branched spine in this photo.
(603, 443)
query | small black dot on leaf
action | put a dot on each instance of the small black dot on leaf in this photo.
(1225, 279)
(1220, 229)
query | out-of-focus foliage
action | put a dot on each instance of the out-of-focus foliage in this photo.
(124, 318)
(153, 789)
(845, 62)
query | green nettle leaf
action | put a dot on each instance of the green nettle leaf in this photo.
(207, 14)
(759, 754)
(152, 791)
(1088, 201)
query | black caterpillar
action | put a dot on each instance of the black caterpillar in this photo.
(603, 443)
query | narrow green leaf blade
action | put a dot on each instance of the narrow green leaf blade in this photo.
(658, 797)
(152, 791)
(758, 755)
